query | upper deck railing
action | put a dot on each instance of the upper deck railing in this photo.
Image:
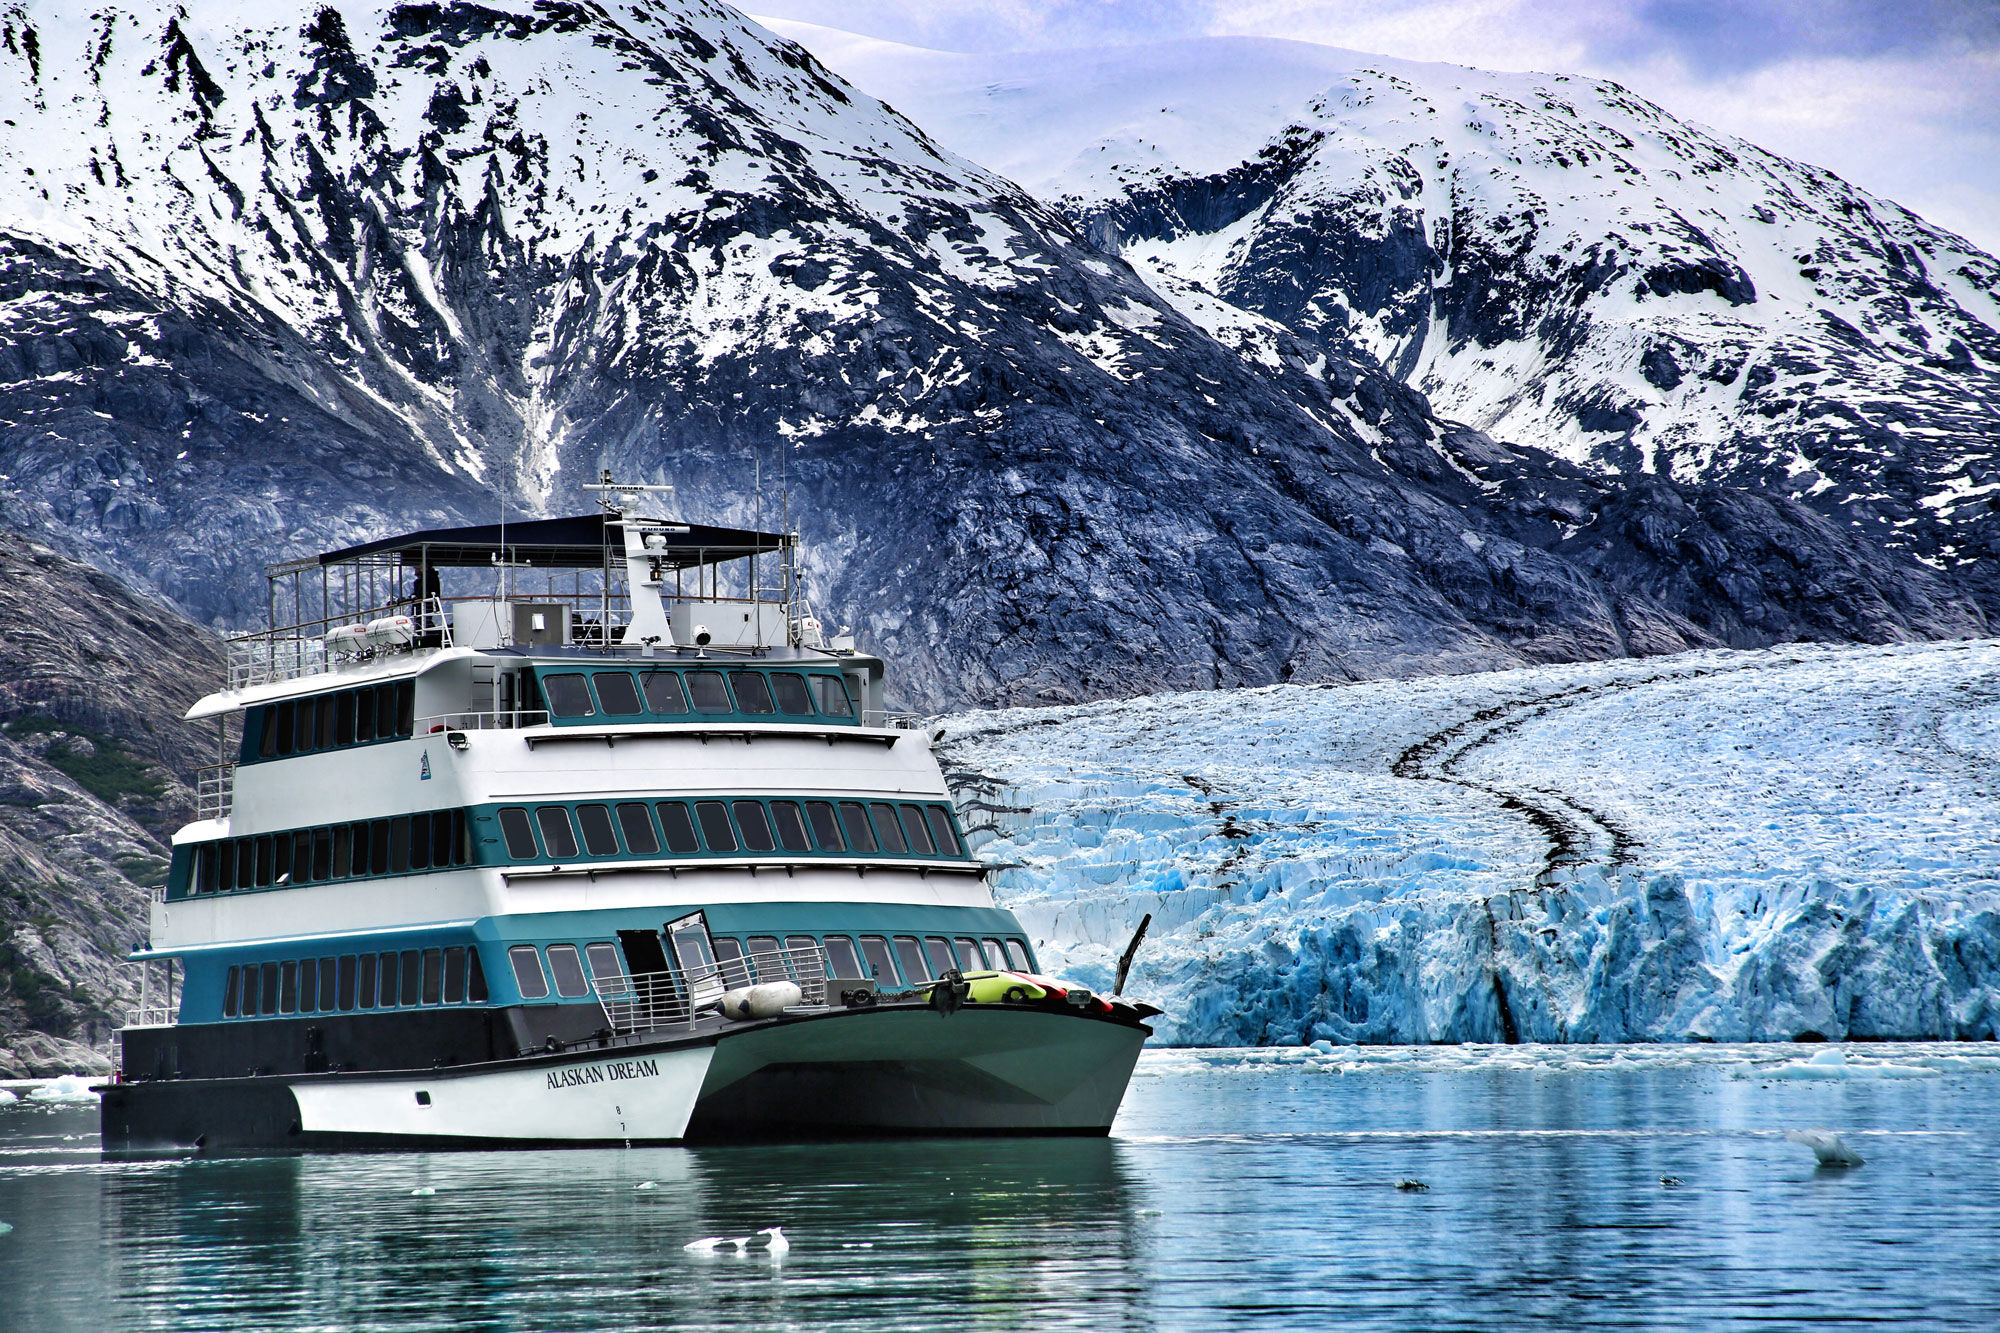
(214, 790)
(287, 652)
(666, 999)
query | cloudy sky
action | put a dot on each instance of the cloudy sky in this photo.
(1902, 97)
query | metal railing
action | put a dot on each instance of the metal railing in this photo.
(214, 790)
(291, 651)
(665, 999)
(158, 1005)
(508, 721)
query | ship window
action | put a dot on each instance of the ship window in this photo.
(281, 858)
(433, 975)
(385, 710)
(729, 960)
(420, 841)
(364, 716)
(229, 992)
(765, 959)
(343, 718)
(710, 695)
(364, 981)
(800, 962)
(888, 829)
(715, 830)
(557, 835)
(287, 725)
(263, 862)
(454, 975)
(995, 956)
(680, 829)
(791, 826)
(378, 846)
(448, 840)
(475, 977)
(941, 829)
(790, 687)
(225, 866)
(915, 829)
(302, 855)
(831, 692)
(406, 707)
(1017, 954)
(911, 955)
(663, 692)
(323, 713)
(344, 982)
(855, 820)
(567, 695)
(528, 972)
(938, 950)
(595, 821)
(269, 999)
(826, 829)
(322, 855)
(968, 954)
(845, 962)
(603, 958)
(753, 692)
(616, 694)
(304, 740)
(340, 832)
(250, 975)
(756, 828)
(267, 731)
(637, 826)
(876, 950)
(309, 986)
(520, 837)
(207, 870)
(329, 979)
(568, 970)
(411, 983)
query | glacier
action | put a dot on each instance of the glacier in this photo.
(1727, 846)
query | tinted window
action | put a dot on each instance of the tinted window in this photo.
(449, 844)
(475, 977)
(404, 692)
(939, 819)
(938, 951)
(567, 694)
(663, 692)
(410, 982)
(399, 846)
(250, 977)
(753, 692)
(826, 829)
(433, 975)
(343, 718)
(855, 820)
(616, 694)
(715, 830)
(307, 729)
(756, 829)
(309, 986)
(364, 982)
(322, 854)
(287, 713)
(604, 963)
(764, 958)
(263, 862)
(268, 1001)
(841, 957)
(876, 950)
(230, 990)
(267, 728)
(323, 714)
(916, 832)
(302, 856)
(995, 955)
(454, 976)
(595, 821)
(791, 826)
(710, 695)
(420, 841)
(281, 858)
(557, 835)
(968, 954)
(344, 983)
(528, 971)
(364, 715)
(568, 970)
(225, 866)
(911, 955)
(679, 828)
(729, 961)
(520, 838)
(887, 829)
(1017, 954)
(340, 837)
(831, 694)
(637, 826)
(790, 688)
(801, 963)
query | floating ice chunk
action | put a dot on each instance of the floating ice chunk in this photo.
(710, 1244)
(1826, 1146)
(779, 1245)
(7, 1098)
(68, 1088)
(422, 1192)
(647, 1185)
(5, 1227)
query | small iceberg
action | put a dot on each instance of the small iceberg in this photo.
(66, 1089)
(1826, 1145)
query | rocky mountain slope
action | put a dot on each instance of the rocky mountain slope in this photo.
(1551, 259)
(278, 280)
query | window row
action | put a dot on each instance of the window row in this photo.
(382, 712)
(636, 828)
(435, 840)
(665, 693)
(399, 980)
(889, 960)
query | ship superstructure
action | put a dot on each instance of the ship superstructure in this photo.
(581, 830)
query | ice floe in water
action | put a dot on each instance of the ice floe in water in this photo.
(1722, 846)
(1761, 1061)
(67, 1088)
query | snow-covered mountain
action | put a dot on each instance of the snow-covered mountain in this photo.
(277, 278)
(1551, 259)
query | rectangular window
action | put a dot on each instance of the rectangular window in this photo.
(269, 999)
(287, 726)
(364, 716)
(939, 819)
(528, 976)
(791, 826)
(399, 846)
(433, 975)
(968, 955)
(917, 831)
(322, 855)
(756, 828)
(302, 856)
(637, 826)
(378, 847)
(616, 694)
(855, 820)
(251, 976)
(420, 842)
(603, 959)
(340, 838)
(598, 838)
(996, 957)
(208, 872)
(568, 695)
(716, 834)
(385, 710)
(911, 955)
(831, 693)
(406, 707)
(281, 858)
(475, 976)
(329, 979)
(790, 689)
(729, 961)
(568, 970)
(303, 743)
(309, 986)
(557, 835)
(800, 962)
(344, 982)
(448, 842)
(1017, 954)
(454, 975)
(845, 962)
(826, 829)
(764, 959)
(753, 692)
(875, 950)
(364, 982)
(710, 695)
(663, 692)
(343, 718)
(409, 984)
(938, 950)
(386, 977)
(679, 828)
(323, 722)
(225, 866)
(267, 731)
(229, 992)
(887, 829)
(263, 862)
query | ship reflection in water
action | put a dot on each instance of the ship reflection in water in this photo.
(1598, 1189)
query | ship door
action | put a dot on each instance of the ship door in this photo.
(643, 954)
(696, 953)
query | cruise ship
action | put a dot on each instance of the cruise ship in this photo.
(582, 831)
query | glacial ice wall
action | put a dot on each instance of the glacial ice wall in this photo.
(1727, 846)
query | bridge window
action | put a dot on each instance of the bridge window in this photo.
(753, 691)
(911, 955)
(996, 957)
(917, 831)
(710, 695)
(939, 819)
(528, 972)
(831, 692)
(855, 821)
(888, 829)
(567, 694)
(938, 950)
(1017, 954)
(663, 692)
(968, 954)
(790, 688)
(616, 694)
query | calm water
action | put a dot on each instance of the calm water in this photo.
(1238, 1192)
